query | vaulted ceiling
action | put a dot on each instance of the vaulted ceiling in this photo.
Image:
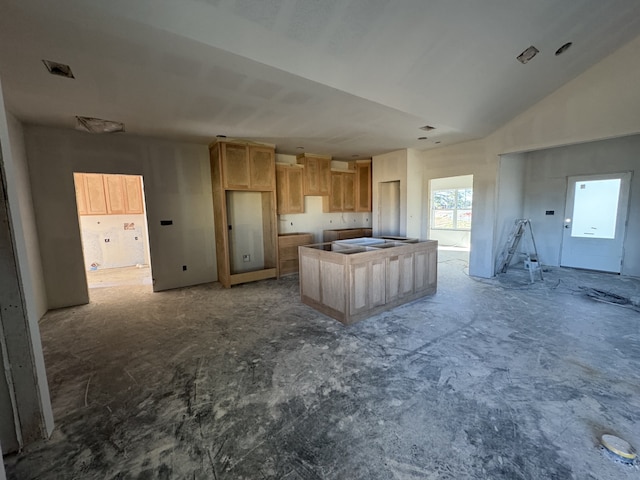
(347, 78)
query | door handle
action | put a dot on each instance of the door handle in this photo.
(566, 226)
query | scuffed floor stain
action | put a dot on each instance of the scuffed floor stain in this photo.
(481, 381)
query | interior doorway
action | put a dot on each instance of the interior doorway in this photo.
(113, 229)
(389, 208)
(595, 222)
(451, 213)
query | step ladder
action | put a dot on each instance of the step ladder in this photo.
(511, 247)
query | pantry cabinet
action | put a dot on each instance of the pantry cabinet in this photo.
(243, 177)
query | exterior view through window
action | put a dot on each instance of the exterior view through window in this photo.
(451, 209)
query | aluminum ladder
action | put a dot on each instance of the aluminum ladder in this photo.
(511, 247)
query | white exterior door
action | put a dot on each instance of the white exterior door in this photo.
(595, 221)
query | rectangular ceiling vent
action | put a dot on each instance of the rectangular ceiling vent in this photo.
(59, 69)
(528, 54)
(98, 125)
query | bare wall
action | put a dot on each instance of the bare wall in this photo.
(511, 193)
(177, 187)
(546, 189)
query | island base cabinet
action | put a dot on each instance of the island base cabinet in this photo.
(353, 286)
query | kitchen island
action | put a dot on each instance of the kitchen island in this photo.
(354, 279)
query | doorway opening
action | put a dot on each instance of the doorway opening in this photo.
(113, 229)
(595, 222)
(389, 208)
(451, 212)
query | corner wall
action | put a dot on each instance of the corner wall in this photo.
(177, 183)
(546, 180)
(601, 103)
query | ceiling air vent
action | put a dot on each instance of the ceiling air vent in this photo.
(98, 125)
(528, 54)
(427, 128)
(59, 69)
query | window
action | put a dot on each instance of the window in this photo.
(451, 209)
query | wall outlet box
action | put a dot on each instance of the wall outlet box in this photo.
(246, 258)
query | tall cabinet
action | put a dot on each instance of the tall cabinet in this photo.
(243, 176)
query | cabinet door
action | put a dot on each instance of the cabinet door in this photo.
(235, 166)
(324, 176)
(81, 198)
(348, 192)
(114, 190)
(317, 175)
(295, 196)
(399, 276)
(289, 189)
(363, 187)
(282, 189)
(262, 168)
(94, 194)
(336, 195)
(133, 194)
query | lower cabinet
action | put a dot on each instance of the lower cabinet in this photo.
(288, 251)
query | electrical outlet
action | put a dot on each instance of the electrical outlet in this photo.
(246, 258)
(184, 268)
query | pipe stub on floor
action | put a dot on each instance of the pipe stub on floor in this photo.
(619, 447)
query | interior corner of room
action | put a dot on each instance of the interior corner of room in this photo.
(173, 205)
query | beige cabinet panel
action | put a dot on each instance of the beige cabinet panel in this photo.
(94, 194)
(289, 189)
(317, 174)
(363, 186)
(81, 198)
(133, 194)
(261, 168)
(235, 166)
(288, 251)
(348, 192)
(114, 193)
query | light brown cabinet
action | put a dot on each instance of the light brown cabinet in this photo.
(342, 194)
(345, 234)
(244, 172)
(289, 187)
(363, 186)
(288, 251)
(317, 174)
(247, 167)
(103, 194)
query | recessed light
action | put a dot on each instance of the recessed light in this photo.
(299, 148)
(59, 69)
(436, 142)
(427, 128)
(422, 138)
(221, 136)
(563, 48)
(528, 54)
(98, 125)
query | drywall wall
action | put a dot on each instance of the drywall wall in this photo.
(113, 241)
(546, 189)
(177, 184)
(510, 197)
(390, 167)
(417, 201)
(22, 285)
(314, 220)
(601, 103)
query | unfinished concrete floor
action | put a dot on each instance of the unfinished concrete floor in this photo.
(488, 379)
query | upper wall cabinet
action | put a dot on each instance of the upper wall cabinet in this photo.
(317, 174)
(246, 166)
(98, 194)
(342, 195)
(289, 188)
(363, 186)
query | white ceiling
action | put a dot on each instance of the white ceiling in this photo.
(339, 77)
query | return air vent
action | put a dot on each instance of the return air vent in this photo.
(59, 69)
(98, 125)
